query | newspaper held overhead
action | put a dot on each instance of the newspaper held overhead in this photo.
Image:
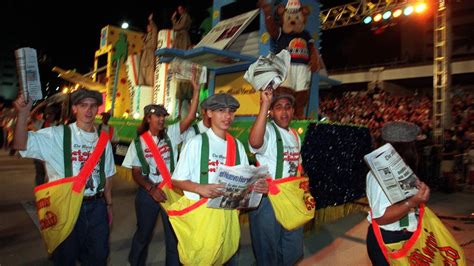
(187, 70)
(269, 71)
(238, 181)
(28, 73)
(397, 179)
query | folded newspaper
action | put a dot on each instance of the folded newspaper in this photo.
(187, 70)
(238, 180)
(269, 71)
(397, 179)
(28, 73)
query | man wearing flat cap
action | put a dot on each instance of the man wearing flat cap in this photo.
(285, 247)
(148, 176)
(47, 145)
(188, 176)
(398, 221)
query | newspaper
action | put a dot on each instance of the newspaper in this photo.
(187, 70)
(238, 182)
(269, 71)
(396, 178)
(28, 73)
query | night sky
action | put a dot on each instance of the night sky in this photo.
(68, 32)
(69, 36)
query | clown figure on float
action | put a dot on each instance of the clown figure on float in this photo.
(289, 33)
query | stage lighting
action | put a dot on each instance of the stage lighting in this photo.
(387, 15)
(367, 20)
(397, 13)
(408, 10)
(420, 8)
(125, 25)
(378, 17)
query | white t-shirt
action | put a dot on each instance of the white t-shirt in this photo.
(131, 158)
(190, 132)
(267, 154)
(189, 165)
(47, 145)
(379, 202)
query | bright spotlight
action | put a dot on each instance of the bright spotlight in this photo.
(367, 20)
(125, 25)
(397, 13)
(420, 8)
(408, 10)
(387, 15)
(378, 17)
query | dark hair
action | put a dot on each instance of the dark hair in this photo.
(145, 126)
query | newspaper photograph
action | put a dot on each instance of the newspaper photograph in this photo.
(28, 73)
(238, 181)
(396, 178)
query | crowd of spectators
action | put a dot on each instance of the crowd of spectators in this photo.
(374, 108)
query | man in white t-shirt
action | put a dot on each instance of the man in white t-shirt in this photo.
(221, 110)
(273, 244)
(149, 195)
(397, 221)
(89, 240)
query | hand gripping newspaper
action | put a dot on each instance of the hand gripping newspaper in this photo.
(269, 71)
(238, 180)
(396, 178)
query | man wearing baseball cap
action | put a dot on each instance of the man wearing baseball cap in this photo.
(272, 243)
(148, 175)
(48, 145)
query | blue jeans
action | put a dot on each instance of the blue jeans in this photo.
(89, 240)
(273, 244)
(147, 210)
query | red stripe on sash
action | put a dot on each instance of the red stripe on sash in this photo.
(164, 171)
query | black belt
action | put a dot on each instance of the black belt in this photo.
(99, 195)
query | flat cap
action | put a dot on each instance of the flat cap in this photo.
(157, 109)
(221, 100)
(400, 131)
(82, 94)
(278, 96)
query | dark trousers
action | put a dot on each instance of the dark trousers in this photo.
(373, 248)
(89, 240)
(272, 244)
(147, 210)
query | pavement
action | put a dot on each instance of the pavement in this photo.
(341, 242)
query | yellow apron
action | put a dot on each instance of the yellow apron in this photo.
(58, 203)
(172, 194)
(290, 197)
(291, 201)
(206, 236)
(430, 244)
